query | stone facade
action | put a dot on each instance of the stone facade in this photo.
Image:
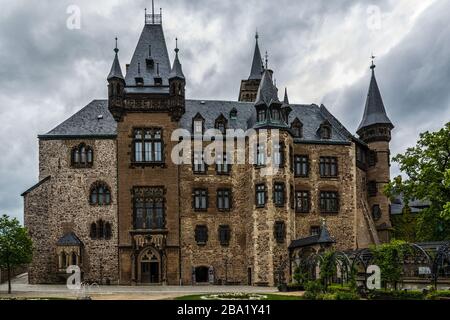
(59, 215)
(61, 205)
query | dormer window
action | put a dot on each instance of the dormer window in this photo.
(82, 156)
(261, 115)
(233, 114)
(198, 125)
(325, 130)
(297, 128)
(276, 114)
(221, 124)
(139, 81)
(158, 81)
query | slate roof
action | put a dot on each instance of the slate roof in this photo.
(374, 112)
(153, 35)
(322, 238)
(257, 63)
(267, 92)
(415, 205)
(69, 239)
(86, 122)
(177, 70)
(116, 71)
(36, 186)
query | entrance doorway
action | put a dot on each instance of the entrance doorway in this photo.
(149, 272)
(201, 274)
(149, 267)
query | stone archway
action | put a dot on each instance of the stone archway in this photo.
(149, 266)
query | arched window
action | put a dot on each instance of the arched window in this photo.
(63, 260)
(100, 194)
(101, 230)
(93, 232)
(74, 259)
(108, 232)
(297, 128)
(82, 156)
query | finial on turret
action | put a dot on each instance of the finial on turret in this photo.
(267, 60)
(176, 45)
(256, 35)
(116, 49)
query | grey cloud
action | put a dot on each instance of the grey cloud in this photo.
(51, 71)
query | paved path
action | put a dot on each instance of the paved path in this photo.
(21, 288)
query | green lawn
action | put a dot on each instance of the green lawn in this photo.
(269, 297)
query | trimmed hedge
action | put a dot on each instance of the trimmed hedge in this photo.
(396, 295)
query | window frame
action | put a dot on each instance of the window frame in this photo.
(223, 168)
(202, 195)
(300, 160)
(152, 202)
(201, 234)
(276, 193)
(303, 195)
(95, 191)
(156, 139)
(258, 192)
(325, 197)
(279, 231)
(224, 239)
(224, 193)
(326, 164)
(78, 149)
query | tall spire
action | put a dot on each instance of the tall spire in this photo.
(374, 112)
(286, 99)
(267, 92)
(257, 64)
(177, 70)
(116, 71)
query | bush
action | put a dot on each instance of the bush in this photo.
(396, 295)
(313, 290)
(436, 295)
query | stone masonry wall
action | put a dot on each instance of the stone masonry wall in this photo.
(61, 205)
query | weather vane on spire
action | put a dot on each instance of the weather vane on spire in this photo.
(116, 49)
(176, 45)
(373, 64)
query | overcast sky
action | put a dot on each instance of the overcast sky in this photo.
(318, 49)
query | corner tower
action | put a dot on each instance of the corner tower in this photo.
(249, 87)
(375, 130)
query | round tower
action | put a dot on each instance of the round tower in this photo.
(375, 130)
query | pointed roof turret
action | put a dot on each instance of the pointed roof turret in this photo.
(177, 70)
(324, 236)
(257, 64)
(374, 112)
(116, 71)
(267, 92)
(286, 99)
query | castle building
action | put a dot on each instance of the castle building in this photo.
(111, 200)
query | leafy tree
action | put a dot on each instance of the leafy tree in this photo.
(405, 226)
(15, 245)
(427, 170)
(389, 257)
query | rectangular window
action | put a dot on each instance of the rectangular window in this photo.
(261, 155)
(302, 202)
(372, 158)
(328, 167)
(198, 127)
(280, 231)
(201, 234)
(199, 165)
(148, 146)
(200, 200)
(278, 194)
(372, 188)
(278, 155)
(149, 208)
(301, 166)
(224, 199)
(222, 165)
(261, 195)
(261, 115)
(315, 230)
(224, 235)
(329, 202)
